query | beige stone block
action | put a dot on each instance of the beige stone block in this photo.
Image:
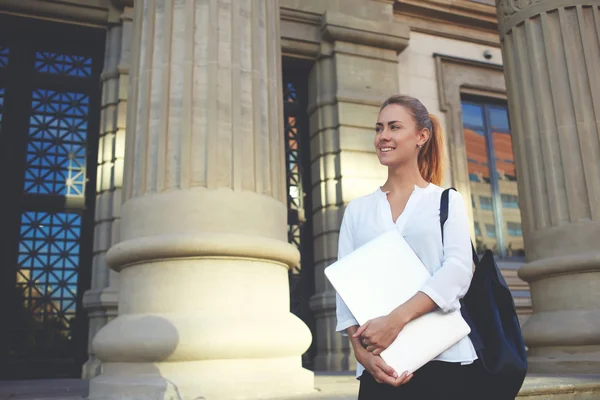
(420, 65)
(422, 87)
(360, 78)
(121, 117)
(327, 192)
(300, 31)
(123, 87)
(325, 246)
(117, 170)
(102, 240)
(116, 202)
(357, 139)
(327, 219)
(359, 115)
(325, 168)
(108, 143)
(323, 142)
(373, 10)
(324, 117)
(373, 54)
(427, 45)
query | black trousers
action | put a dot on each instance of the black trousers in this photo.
(436, 380)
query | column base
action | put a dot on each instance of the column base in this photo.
(196, 380)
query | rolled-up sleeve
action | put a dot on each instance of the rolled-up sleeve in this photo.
(451, 282)
(345, 319)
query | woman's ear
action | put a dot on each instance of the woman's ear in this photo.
(424, 135)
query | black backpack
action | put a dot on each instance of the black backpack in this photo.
(489, 309)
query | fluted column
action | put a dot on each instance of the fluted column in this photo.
(203, 257)
(101, 300)
(551, 51)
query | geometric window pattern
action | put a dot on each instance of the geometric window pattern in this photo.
(301, 276)
(295, 192)
(3, 56)
(48, 266)
(56, 150)
(63, 64)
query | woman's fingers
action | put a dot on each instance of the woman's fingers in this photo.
(361, 329)
(403, 379)
(389, 371)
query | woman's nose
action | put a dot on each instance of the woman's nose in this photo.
(385, 134)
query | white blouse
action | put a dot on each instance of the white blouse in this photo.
(367, 217)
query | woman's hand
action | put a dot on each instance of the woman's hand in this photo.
(377, 334)
(381, 372)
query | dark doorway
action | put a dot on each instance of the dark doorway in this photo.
(299, 188)
(49, 122)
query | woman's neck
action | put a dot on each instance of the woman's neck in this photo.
(403, 179)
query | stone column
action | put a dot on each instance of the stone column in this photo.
(357, 69)
(203, 256)
(101, 300)
(551, 52)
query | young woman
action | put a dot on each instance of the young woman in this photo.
(409, 142)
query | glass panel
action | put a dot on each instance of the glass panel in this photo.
(3, 56)
(63, 64)
(510, 201)
(56, 152)
(498, 118)
(46, 285)
(514, 229)
(481, 189)
(472, 115)
(509, 194)
(485, 203)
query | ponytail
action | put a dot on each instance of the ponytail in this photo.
(431, 156)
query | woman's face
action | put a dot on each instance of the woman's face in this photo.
(397, 136)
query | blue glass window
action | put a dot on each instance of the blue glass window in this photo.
(485, 203)
(63, 64)
(3, 56)
(510, 201)
(491, 166)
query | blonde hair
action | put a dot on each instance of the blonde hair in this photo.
(431, 156)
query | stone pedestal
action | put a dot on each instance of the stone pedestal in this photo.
(102, 299)
(203, 256)
(357, 69)
(551, 53)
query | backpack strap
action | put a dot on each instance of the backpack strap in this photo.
(444, 201)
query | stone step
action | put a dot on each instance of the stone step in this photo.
(327, 387)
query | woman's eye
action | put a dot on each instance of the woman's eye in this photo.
(395, 127)
(378, 130)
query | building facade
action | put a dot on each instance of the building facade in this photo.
(178, 171)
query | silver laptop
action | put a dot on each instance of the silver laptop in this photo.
(378, 277)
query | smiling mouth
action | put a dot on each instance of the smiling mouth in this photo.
(386, 149)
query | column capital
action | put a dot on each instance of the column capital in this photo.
(514, 12)
(390, 35)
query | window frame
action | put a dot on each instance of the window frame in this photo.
(485, 105)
